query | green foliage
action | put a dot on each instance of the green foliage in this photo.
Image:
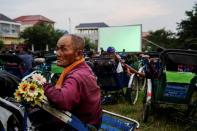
(161, 37)
(186, 36)
(41, 35)
(89, 45)
(56, 34)
(1, 44)
(187, 28)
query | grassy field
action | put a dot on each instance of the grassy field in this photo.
(163, 119)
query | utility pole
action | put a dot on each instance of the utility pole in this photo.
(69, 22)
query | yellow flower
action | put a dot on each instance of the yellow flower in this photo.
(23, 87)
(41, 96)
(32, 90)
(40, 90)
(35, 103)
(28, 98)
(18, 95)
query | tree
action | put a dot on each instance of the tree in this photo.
(1, 44)
(162, 38)
(41, 35)
(89, 45)
(187, 28)
(55, 36)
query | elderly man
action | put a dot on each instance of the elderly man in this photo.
(76, 89)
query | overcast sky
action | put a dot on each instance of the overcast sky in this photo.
(152, 14)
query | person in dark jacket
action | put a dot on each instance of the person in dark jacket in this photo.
(27, 60)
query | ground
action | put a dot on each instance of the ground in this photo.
(164, 118)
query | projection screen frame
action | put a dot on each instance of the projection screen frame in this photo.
(140, 38)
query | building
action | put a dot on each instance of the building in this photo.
(90, 30)
(9, 31)
(31, 20)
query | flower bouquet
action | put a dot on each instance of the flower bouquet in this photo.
(31, 91)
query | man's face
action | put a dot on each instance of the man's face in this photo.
(66, 54)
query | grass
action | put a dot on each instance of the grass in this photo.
(164, 118)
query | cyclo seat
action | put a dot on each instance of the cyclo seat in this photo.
(108, 78)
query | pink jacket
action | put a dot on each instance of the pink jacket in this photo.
(79, 94)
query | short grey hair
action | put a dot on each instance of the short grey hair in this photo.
(77, 41)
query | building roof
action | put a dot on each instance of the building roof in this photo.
(5, 18)
(91, 25)
(145, 34)
(32, 19)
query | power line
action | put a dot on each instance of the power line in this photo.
(153, 43)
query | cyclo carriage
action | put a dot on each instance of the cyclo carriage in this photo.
(173, 83)
(113, 79)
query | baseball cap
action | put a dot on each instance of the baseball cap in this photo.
(111, 49)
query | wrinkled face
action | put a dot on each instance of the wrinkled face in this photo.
(65, 51)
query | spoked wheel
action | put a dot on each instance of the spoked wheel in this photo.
(145, 112)
(14, 124)
(192, 108)
(191, 111)
(141, 80)
(146, 105)
(54, 78)
(141, 83)
(51, 77)
(132, 90)
(47, 76)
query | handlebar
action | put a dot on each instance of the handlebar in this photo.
(128, 67)
(30, 75)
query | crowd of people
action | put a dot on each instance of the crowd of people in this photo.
(18, 62)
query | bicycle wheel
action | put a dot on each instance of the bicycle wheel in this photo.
(192, 107)
(145, 112)
(147, 101)
(133, 89)
(51, 77)
(141, 83)
(141, 80)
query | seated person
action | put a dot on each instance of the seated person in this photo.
(27, 60)
(186, 68)
(76, 90)
(128, 69)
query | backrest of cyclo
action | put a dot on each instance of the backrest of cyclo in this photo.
(107, 77)
(8, 111)
(9, 84)
(12, 64)
(175, 86)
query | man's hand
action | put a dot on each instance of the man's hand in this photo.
(141, 74)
